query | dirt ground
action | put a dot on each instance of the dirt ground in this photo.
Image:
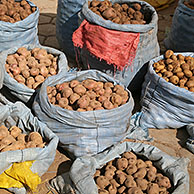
(170, 141)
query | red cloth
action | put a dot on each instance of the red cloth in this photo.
(115, 47)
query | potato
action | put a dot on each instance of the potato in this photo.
(121, 189)
(131, 169)
(34, 71)
(35, 137)
(141, 172)
(20, 79)
(112, 189)
(45, 61)
(102, 182)
(190, 83)
(142, 184)
(31, 144)
(79, 89)
(63, 102)
(110, 167)
(91, 94)
(163, 181)
(116, 99)
(44, 71)
(89, 84)
(83, 102)
(109, 13)
(109, 174)
(6, 141)
(32, 62)
(174, 79)
(121, 178)
(153, 188)
(188, 73)
(108, 105)
(94, 104)
(129, 182)
(134, 190)
(103, 191)
(67, 92)
(15, 131)
(108, 85)
(81, 110)
(140, 164)
(17, 145)
(40, 54)
(114, 183)
(25, 73)
(60, 87)
(39, 78)
(73, 83)
(22, 137)
(73, 98)
(30, 81)
(23, 51)
(3, 132)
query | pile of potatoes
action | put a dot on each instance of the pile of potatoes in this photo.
(13, 11)
(118, 13)
(32, 67)
(87, 95)
(130, 175)
(177, 69)
(189, 4)
(13, 139)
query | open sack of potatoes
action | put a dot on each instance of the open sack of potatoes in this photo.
(167, 94)
(125, 31)
(28, 66)
(127, 168)
(23, 138)
(18, 23)
(82, 114)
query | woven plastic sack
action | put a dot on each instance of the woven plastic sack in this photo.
(67, 23)
(148, 43)
(165, 105)
(87, 132)
(19, 90)
(181, 35)
(19, 33)
(18, 114)
(80, 178)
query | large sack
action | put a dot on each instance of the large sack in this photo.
(83, 169)
(165, 105)
(67, 23)
(19, 33)
(148, 44)
(181, 35)
(19, 90)
(87, 132)
(18, 114)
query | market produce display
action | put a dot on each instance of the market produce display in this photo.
(13, 139)
(131, 175)
(177, 69)
(13, 11)
(189, 4)
(87, 95)
(31, 67)
(118, 13)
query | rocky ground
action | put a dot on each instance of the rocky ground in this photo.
(170, 141)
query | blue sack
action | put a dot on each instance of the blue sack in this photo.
(165, 105)
(147, 49)
(180, 38)
(19, 115)
(19, 90)
(79, 179)
(19, 33)
(67, 23)
(87, 132)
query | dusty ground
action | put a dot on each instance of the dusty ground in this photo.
(169, 141)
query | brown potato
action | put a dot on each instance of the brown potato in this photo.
(15, 131)
(35, 137)
(3, 132)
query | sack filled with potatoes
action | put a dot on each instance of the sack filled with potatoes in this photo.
(27, 67)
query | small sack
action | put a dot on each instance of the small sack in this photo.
(21, 91)
(165, 105)
(87, 132)
(180, 38)
(20, 33)
(83, 169)
(19, 115)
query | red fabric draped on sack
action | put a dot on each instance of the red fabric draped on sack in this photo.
(115, 47)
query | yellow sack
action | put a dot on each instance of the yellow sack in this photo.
(160, 4)
(20, 175)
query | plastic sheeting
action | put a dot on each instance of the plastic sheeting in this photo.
(180, 38)
(18, 114)
(83, 169)
(165, 105)
(19, 33)
(67, 23)
(148, 43)
(87, 132)
(19, 90)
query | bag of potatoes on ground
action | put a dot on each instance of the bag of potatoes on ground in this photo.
(67, 23)
(27, 148)
(181, 36)
(28, 66)
(18, 23)
(168, 92)
(125, 38)
(88, 110)
(132, 168)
